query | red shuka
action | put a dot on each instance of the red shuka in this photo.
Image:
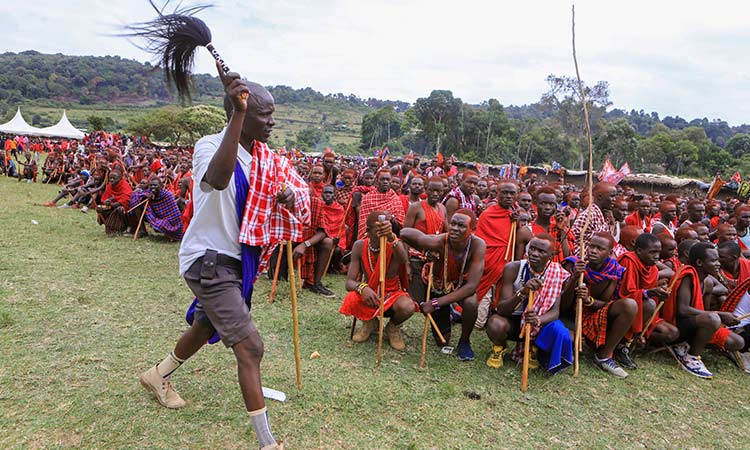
(119, 193)
(494, 227)
(354, 304)
(636, 279)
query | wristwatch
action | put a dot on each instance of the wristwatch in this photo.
(308, 244)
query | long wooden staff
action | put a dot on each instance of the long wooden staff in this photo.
(579, 303)
(275, 275)
(295, 320)
(743, 317)
(381, 256)
(510, 250)
(426, 321)
(140, 221)
(134, 207)
(338, 235)
(527, 345)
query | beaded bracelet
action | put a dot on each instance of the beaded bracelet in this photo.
(361, 288)
(435, 303)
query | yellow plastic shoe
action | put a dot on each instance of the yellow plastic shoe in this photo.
(496, 357)
(533, 360)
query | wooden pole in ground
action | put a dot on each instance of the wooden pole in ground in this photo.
(276, 274)
(426, 320)
(295, 321)
(527, 345)
(579, 305)
(381, 255)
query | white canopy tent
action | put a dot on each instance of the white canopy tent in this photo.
(63, 128)
(17, 125)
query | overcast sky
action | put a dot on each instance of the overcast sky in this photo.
(684, 58)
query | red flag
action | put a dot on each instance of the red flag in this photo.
(737, 177)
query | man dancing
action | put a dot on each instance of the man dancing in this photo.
(245, 201)
(456, 275)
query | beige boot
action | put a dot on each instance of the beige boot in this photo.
(365, 330)
(279, 445)
(394, 336)
(162, 389)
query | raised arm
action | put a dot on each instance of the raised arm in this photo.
(221, 167)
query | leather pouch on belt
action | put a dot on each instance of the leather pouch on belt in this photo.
(208, 267)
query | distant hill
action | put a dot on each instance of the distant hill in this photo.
(31, 75)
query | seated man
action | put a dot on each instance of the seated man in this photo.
(697, 326)
(537, 273)
(335, 229)
(456, 275)
(427, 216)
(641, 283)
(733, 269)
(606, 319)
(161, 212)
(363, 300)
(314, 249)
(112, 213)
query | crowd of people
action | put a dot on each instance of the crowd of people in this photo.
(506, 258)
(658, 269)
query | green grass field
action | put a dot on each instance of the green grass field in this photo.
(82, 314)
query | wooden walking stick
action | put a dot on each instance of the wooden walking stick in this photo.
(510, 250)
(527, 345)
(426, 320)
(381, 256)
(134, 207)
(276, 275)
(295, 321)
(655, 314)
(140, 221)
(579, 304)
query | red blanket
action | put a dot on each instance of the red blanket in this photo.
(494, 227)
(637, 278)
(119, 193)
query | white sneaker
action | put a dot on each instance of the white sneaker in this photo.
(85, 209)
(694, 365)
(64, 206)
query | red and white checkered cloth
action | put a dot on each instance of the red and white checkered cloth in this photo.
(597, 223)
(265, 222)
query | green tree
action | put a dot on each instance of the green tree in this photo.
(739, 145)
(95, 122)
(380, 126)
(563, 100)
(437, 116)
(312, 138)
(617, 140)
(201, 120)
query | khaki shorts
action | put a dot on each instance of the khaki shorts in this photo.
(220, 302)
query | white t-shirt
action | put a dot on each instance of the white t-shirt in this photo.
(215, 224)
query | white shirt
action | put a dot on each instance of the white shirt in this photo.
(215, 224)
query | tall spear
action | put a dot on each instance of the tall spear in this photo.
(579, 304)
